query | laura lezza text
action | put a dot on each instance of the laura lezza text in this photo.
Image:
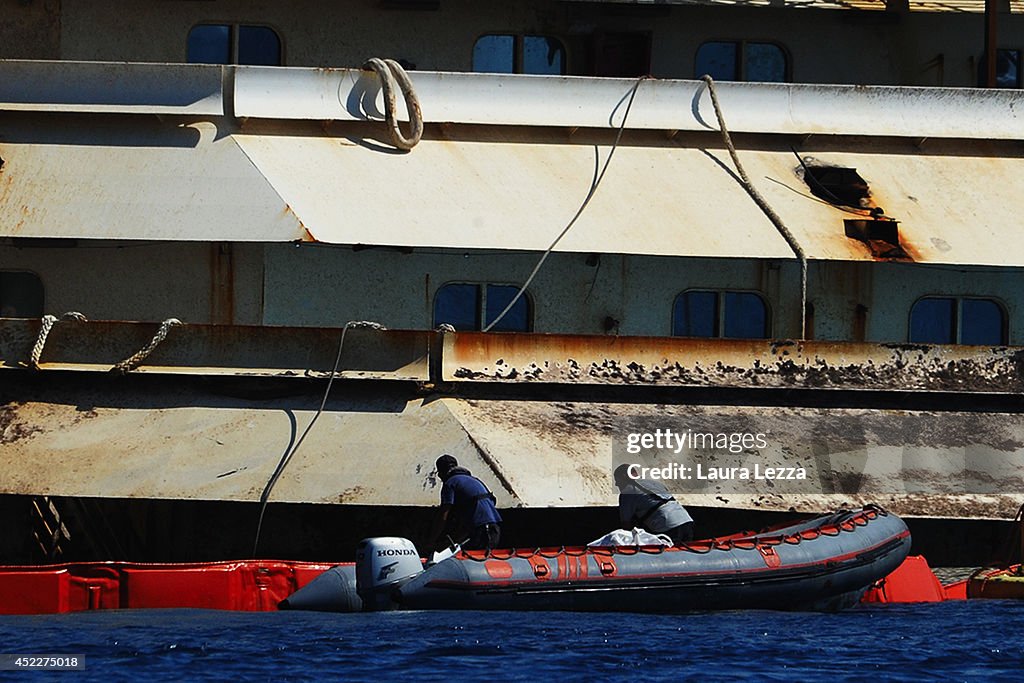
(703, 472)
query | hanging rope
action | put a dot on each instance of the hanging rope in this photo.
(133, 361)
(579, 212)
(763, 205)
(44, 332)
(389, 71)
(289, 453)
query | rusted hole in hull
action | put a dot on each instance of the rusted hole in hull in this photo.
(842, 186)
(881, 235)
(837, 185)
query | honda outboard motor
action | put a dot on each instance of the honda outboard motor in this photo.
(382, 565)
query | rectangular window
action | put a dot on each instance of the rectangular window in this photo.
(731, 315)
(933, 321)
(745, 316)
(764, 63)
(467, 307)
(982, 323)
(518, 54)
(696, 315)
(497, 298)
(234, 44)
(719, 61)
(258, 46)
(458, 305)
(543, 55)
(742, 61)
(954, 320)
(209, 44)
(495, 54)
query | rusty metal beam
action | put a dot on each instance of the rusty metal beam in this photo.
(734, 363)
(221, 349)
(474, 357)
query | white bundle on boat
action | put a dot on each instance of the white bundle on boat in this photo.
(631, 537)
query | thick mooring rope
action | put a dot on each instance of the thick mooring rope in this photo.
(762, 203)
(289, 453)
(133, 361)
(392, 75)
(44, 332)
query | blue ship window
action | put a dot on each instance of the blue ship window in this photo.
(258, 46)
(732, 315)
(742, 61)
(209, 44)
(519, 54)
(495, 54)
(543, 55)
(468, 307)
(719, 61)
(696, 315)
(933, 321)
(954, 320)
(234, 44)
(21, 295)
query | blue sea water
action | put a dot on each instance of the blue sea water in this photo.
(953, 641)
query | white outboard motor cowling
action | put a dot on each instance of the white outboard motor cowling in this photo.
(382, 565)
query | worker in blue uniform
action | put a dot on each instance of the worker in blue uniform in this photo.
(467, 509)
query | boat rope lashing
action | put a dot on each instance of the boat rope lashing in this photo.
(579, 211)
(762, 203)
(653, 549)
(872, 510)
(691, 547)
(133, 361)
(290, 452)
(393, 76)
(44, 332)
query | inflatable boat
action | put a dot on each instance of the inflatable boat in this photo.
(820, 564)
(1006, 583)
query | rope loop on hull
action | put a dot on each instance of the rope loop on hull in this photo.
(44, 332)
(133, 361)
(393, 76)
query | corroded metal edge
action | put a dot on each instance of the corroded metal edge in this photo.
(473, 357)
(258, 351)
(672, 361)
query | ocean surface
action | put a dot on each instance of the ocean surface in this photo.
(953, 641)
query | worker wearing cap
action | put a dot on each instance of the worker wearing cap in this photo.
(471, 502)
